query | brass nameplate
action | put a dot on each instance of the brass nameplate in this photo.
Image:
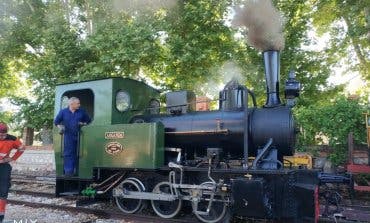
(114, 135)
(113, 148)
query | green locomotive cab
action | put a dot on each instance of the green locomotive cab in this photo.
(109, 101)
(109, 141)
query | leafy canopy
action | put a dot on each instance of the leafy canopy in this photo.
(333, 121)
(181, 47)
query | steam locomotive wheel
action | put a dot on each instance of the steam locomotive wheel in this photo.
(126, 205)
(218, 208)
(165, 209)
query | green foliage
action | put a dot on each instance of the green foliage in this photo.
(8, 66)
(173, 49)
(8, 82)
(333, 122)
(312, 68)
(34, 114)
(121, 47)
(50, 53)
(5, 116)
(198, 40)
(348, 25)
(182, 47)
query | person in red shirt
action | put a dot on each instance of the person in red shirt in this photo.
(7, 144)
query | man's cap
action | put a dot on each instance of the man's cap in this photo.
(3, 128)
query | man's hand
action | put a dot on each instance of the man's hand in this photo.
(61, 129)
(6, 160)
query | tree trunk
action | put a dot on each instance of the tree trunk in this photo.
(367, 19)
(28, 136)
(89, 21)
(46, 136)
(363, 62)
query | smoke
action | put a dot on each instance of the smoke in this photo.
(230, 71)
(264, 24)
(143, 5)
(225, 73)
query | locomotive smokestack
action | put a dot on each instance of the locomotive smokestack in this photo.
(272, 73)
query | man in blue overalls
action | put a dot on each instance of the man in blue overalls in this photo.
(69, 121)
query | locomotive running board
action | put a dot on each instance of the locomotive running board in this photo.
(201, 132)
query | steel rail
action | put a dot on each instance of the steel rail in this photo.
(107, 214)
(33, 179)
(34, 193)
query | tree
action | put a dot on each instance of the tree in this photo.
(332, 121)
(197, 41)
(8, 81)
(348, 24)
(312, 68)
(5, 116)
(121, 47)
(9, 66)
(182, 47)
(119, 44)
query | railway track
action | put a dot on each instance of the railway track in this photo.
(33, 179)
(33, 193)
(105, 214)
(355, 212)
(99, 213)
(20, 175)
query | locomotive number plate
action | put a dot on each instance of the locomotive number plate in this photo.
(113, 148)
(114, 135)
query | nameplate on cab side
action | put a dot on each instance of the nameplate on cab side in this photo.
(114, 135)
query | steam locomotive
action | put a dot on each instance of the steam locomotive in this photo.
(185, 159)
